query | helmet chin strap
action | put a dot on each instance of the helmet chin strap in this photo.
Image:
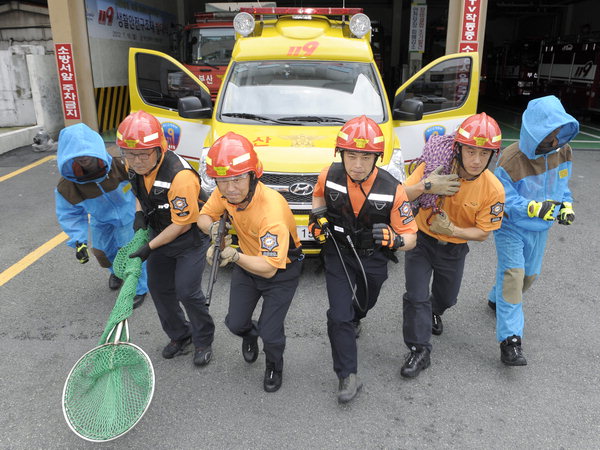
(249, 195)
(460, 161)
(368, 175)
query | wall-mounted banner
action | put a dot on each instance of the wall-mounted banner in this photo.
(127, 20)
(418, 23)
(67, 81)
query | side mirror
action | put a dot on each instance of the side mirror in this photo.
(191, 108)
(409, 109)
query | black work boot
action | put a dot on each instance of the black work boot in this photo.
(492, 306)
(138, 300)
(273, 378)
(437, 327)
(114, 282)
(202, 355)
(174, 348)
(348, 388)
(250, 349)
(511, 352)
(415, 362)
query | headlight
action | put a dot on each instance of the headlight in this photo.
(243, 23)
(396, 165)
(360, 24)
(208, 184)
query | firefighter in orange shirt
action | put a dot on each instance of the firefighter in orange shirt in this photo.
(167, 190)
(360, 208)
(269, 263)
(469, 215)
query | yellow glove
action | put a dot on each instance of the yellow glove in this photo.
(441, 224)
(566, 216)
(543, 210)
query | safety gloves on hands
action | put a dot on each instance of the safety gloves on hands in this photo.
(139, 221)
(385, 236)
(441, 224)
(81, 252)
(439, 184)
(213, 231)
(318, 225)
(228, 254)
(566, 216)
(143, 252)
(543, 210)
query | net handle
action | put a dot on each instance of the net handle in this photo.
(118, 330)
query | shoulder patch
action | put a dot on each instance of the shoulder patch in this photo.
(405, 209)
(179, 203)
(268, 241)
(497, 208)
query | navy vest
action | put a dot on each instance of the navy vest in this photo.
(376, 208)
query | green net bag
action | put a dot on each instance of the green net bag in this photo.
(110, 388)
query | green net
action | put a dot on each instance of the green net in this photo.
(108, 391)
(129, 270)
(111, 386)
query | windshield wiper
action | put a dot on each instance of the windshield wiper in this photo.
(253, 117)
(313, 119)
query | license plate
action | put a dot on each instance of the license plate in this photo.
(303, 233)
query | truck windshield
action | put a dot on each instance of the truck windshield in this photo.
(336, 91)
(208, 46)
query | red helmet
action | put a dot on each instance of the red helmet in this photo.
(360, 134)
(139, 131)
(232, 155)
(481, 131)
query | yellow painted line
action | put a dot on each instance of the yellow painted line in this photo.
(30, 166)
(28, 260)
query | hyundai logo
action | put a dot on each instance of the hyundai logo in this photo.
(302, 188)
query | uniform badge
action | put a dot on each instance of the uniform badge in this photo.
(268, 241)
(405, 209)
(497, 208)
(179, 203)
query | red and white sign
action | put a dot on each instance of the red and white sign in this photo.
(68, 84)
(470, 27)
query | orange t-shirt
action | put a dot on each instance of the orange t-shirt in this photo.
(263, 228)
(183, 195)
(478, 203)
(401, 218)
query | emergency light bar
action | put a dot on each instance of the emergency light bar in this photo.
(244, 22)
(278, 11)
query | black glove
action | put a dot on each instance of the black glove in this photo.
(139, 221)
(143, 252)
(318, 224)
(385, 236)
(81, 253)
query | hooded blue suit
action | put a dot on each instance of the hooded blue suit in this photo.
(521, 241)
(107, 199)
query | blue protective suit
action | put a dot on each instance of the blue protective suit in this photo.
(107, 199)
(526, 176)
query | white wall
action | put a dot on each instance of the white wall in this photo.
(45, 91)
(16, 103)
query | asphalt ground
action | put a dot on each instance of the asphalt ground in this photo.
(54, 310)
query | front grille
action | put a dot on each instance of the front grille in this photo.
(283, 183)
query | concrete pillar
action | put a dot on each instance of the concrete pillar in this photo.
(68, 23)
(453, 32)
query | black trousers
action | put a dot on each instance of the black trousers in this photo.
(174, 276)
(342, 311)
(277, 293)
(446, 262)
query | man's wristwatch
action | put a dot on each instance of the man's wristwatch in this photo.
(427, 185)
